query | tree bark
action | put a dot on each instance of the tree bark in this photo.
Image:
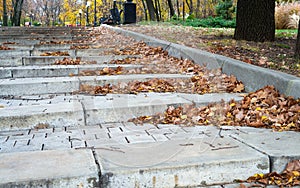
(171, 7)
(17, 12)
(178, 10)
(145, 10)
(297, 50)
(157, 11)
(255, 20)
(151, 9)
(190, 6)
(198, 9)
(5, 17)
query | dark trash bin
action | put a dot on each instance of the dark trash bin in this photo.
(129, 12)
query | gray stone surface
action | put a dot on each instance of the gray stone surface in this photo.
(32, 86)
(178, 163)
(202, 100)
(114, 108)
(52, 115)
(281, 147)
(69, 168)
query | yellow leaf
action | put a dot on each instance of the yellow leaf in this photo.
(229, 114)
(147, 117)
(183, 116)
(264, 118)
(296, 173)
(258, 109)
(259, 175)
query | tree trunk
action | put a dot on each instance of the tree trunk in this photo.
(5, 17)
(17, 12)
(198, 9)
(171, 7)
(156, 8)
(145, 10)
(190, 6)
(204, 8)
(151, 9)
(178, 10)
(297, 51)
(255, 20)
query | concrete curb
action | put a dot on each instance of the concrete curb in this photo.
(253, 77)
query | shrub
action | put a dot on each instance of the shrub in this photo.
(225, 9)
(216, 22)
(287, 15)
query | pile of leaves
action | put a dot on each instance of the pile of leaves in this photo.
(96, 90)
(70, 61)
(104, 71)
(5, 43)
(288, 178)
(5, 48)
(195, 84)
(78, 47)
(140, 48)
(265, 108)
(58, 53)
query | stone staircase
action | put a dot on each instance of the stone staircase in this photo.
(53, 136)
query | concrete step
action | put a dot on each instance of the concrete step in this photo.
(72, 53)
(53, 70)
(132, 156)
(50, 60)
(31, 111)
(53, 85)
(66, 168)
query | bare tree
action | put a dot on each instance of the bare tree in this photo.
(50, 10)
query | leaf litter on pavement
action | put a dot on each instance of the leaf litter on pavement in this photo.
(265, 108)
(288, 178)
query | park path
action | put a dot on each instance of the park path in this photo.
(59, 129)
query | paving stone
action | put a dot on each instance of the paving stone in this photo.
(124, 107)
(30, 86)
(203, 100)
(51, 115)
(48, 71)
(281, 147)
(178, 163)
(60, 168)
(5, 73)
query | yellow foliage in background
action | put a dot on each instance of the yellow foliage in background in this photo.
(287, 15)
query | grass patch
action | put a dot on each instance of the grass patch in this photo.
(286, 33)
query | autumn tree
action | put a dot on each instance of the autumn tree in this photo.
(255, 20)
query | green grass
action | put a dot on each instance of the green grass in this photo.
(283, 33)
